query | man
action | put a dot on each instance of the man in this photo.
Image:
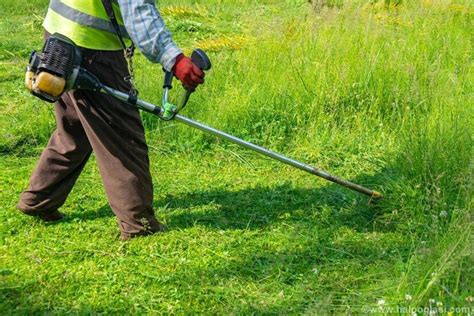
(88, 121)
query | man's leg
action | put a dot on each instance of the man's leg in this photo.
(59, 166)
(116, 134)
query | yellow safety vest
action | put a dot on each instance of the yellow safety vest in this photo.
(86, 23)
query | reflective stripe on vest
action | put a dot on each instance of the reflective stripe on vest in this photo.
(82, 28)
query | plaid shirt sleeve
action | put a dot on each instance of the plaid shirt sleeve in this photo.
(147, 30)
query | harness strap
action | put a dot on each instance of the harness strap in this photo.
(113, 19)
(129, 51)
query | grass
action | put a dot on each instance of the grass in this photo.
(378, 92)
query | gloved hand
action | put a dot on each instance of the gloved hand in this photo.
(188, 73)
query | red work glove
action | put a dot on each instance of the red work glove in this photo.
(188, 73)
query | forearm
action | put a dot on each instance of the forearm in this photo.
(147, 30)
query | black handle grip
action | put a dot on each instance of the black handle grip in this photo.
(168, 80)
(200, 59)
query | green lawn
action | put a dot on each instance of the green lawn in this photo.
(377, 93)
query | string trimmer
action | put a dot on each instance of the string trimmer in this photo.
(49, 82)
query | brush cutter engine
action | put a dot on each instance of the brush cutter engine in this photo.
(55, 69)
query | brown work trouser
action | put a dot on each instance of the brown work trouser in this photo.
(86, 122)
